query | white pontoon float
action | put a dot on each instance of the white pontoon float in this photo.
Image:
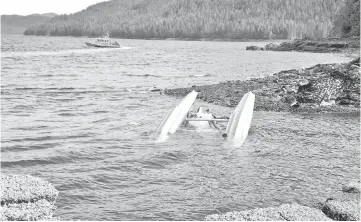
(237, 127)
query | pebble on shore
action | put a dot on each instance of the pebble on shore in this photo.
(25, 197)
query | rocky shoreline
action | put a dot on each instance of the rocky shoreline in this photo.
(330, 45)
(321, 88)
(24, 197)
(346, 208)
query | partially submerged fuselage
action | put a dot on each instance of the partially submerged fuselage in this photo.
(237, 127)
(201, 115)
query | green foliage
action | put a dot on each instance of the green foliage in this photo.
(348, 20)
(233, 19)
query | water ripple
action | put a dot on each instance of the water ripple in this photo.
(83, 118)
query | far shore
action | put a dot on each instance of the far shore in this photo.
(170, 39)
(352, 52)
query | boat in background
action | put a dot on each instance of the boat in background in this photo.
(103, 42)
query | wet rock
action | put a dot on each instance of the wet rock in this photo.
(338, 45)
(320, 46)
(254, 48)
(38, 210)
(321, 88)
(352, 187)
(229, 104)
(343, 102)
(285, 212)
(355, 62)
(271, 46)
(346, 206)
(25, 197)
(295, 212)
(304, 83)
(342, 210)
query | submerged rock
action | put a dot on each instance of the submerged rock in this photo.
(352, 187)
(25, 197)
(285, 212)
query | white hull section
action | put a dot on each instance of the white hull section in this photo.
(175, 117)
(240, 120)
(102, 46)
(200, 125)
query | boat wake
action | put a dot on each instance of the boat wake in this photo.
(167, 75)
(200, 75)
(61, 52)
(143, 75)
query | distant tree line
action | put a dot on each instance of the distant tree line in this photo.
(233, 19)
(347, 22)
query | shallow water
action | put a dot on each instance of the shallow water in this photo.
(81, 118)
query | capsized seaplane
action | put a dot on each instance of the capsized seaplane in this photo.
(237, 127)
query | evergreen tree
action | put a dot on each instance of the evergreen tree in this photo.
(348, 20)
(234, 19)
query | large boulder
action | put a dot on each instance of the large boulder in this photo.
(342, 210)
(25, 211)
(346, 206)
(25, 197)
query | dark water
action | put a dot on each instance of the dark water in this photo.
(81, 118)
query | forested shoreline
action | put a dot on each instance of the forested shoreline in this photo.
(197, 19)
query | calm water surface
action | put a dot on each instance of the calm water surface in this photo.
(81, 118)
